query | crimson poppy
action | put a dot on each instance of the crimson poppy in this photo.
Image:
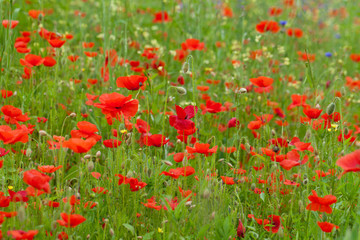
(20, 234)
(71, 220)
(350, 162)
(326, 226)
(37, 179)
(10, 23)
(321, 204)
(133, 82)
(262, 81)
(79, 145)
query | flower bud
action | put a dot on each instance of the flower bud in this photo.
(28, 152)
(253, 186)
(90, 166)
(87, 156)
(242, 90)
(72, 115)
(330, 109)
(181, 90)
(111, 232)
(206, 194)
(98, 154)
(240, 230)
(21, 214)
(42, 133)
(168, 163)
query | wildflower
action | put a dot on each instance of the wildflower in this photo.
(70, 220)
(321, 204)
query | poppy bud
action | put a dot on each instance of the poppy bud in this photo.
(307, 134)
(72, 115)
(330, 109)
(188, 203)
(21, 214)
(42, 133)
(301, 206)
(280, 233)
(240, 230)
(273, 132)
(181, 90)
(185, 67)
(229, 164)
(98, 154)
(111, 231)
(206, 193)
(28, 152)
(317, 100)
(87, 156)
(343, 91)
(305, 181)
(210, 140)
(90, 166)
(54, 224)
(253, 186)
(212, 215)
(168, 163)
(346, 131)
(88, 236)
(67, 207)
(242, 90)
(129, 174)
(247, 147)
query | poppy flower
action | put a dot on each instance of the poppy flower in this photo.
(86, 130)
(233, 122)
(202, 148)
(326, 226)
(10, 23)
(9, 136)
(132, 83)
(355, 57)
(142, 126)
(228, 180)
(177, 172)
(272, 223)
(56, 43)
(37, 179)
(227, 12)
(294, 32)
(160, 17)
(181, 121)
(20, 196)
(32, 60)
(151, 203)
(350, 162)
(321, 204)
(240, 231)
(73, 58)
(70, 220)
(6, 93)
(111, 143)
(96, 175)
(35, 13)
(88, 44)
(297, 100)
(49, 168)
(79, 145)
(267, 26)
(116, 105)
(262, 81)
(20, 234)
(192, 44)
(13, 115)
(312, 113)
(211, 107)
(156, 140)
(49, 62)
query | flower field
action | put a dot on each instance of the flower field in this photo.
(179, 119)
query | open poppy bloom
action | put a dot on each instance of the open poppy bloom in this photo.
(312, 113)
(111, 143)
(151, 203)
(262, 81)
(326, 226)
(13, 114)
(86, 130)
(70, 220)
(32, 60)
(181, 120)
(79, 145)
(37, 179)
(321, 204)
(49, 168)
(177, 172)
(133, 82)
(9, 136)
(12, 23)
(350, 162)
(202, 148)
(156, 140)
(192, 44)
(160, 17)
(56, 43)
(267, 26)
(116, 105)
(142, 126)
(20, 234)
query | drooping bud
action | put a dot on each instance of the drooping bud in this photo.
(181, 90)
(28, 152)
(98, 154)
(253, 186)
(330, 109)
(21, 214)
(168, 163)
(90, 166)
(42, 133)
(242, 90)
(72, 115)
(111, 232)
(87, 156)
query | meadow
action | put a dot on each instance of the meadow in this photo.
(179, 119)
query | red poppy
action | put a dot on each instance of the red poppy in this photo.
(177, 172)
(350, 162)
(267, 26)
(294, 32)
(86, 130)
(240, 231)
(56, 43)
(70, 220)
(192, 44)
(13, 115)
(79, 145)
(312, 113)
(35, 13)
(297, 100)
(37, 179)
(32, 60)
(10, 23)
(116, 105)
(73, 58)
(111, 143)
(355, 57)
(151, 203)
(133, 82)
(160, 17)
(6, 93)
(156, 140)
(326, 226)
(96, 175)
(49, 168)
(20, 234)
(228, 180)
(49, 62)
(88, 44)
(227, 12)
(321, 204)
(142, 126)
(181, 121)
(262, 81)
(9, 136)
(272, 224)
(211, 107)
(202, 148)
